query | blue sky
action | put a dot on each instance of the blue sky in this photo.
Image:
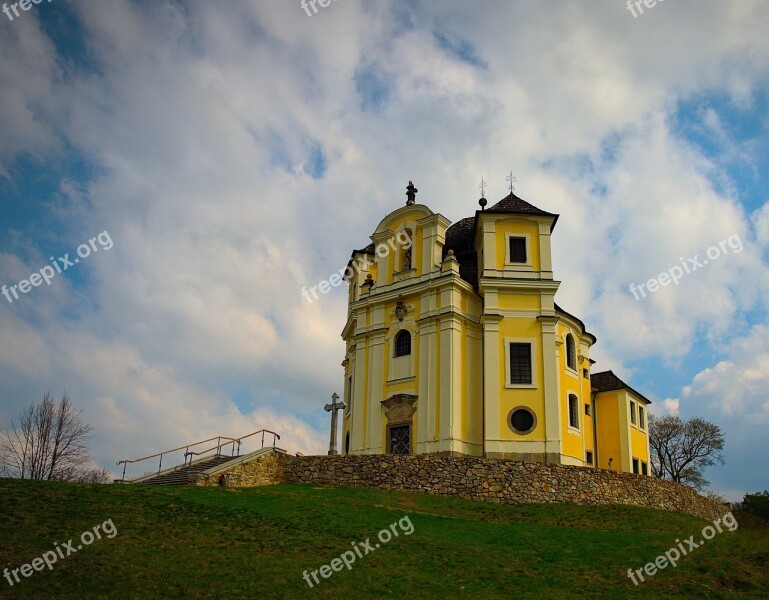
(238, 153)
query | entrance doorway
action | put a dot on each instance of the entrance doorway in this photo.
(400, 439)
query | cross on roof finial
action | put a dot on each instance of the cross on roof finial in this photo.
(512, 180)
(482, 187)
(411, 194)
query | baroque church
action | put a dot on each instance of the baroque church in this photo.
(455, 345)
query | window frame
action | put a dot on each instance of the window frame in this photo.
(633, 419)
(532, 342)
(572, 409)
(641, 418)
(402, 334)
(571, 357)
(524, 266)
(589, 457)
(521, 431)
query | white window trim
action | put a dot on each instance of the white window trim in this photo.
(533, 347)
(638, 417)
(571, 427)
(528, 265)
(391, 370)
(569, 371)
(633, 414)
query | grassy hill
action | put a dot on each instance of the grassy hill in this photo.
(257, 543)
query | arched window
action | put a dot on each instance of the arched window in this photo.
(403, 343)
(571, 355)
(573, 411)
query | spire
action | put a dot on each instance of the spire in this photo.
(411, 194)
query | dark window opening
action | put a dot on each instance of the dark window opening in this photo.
(635, 466)
(573, 411)
(403, 343)
(520, 363)
(517, 250)
(522, 420)
(400, 439)
(571, 355)
(644, 468)
(589, 457)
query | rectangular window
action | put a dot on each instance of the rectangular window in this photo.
(635, 466)
(641, 417)
(585, 373)
(517, 250)
(589, 457)
(644, 468)
(588, 411)
(520, 363)
(632, 412)
(573, 411)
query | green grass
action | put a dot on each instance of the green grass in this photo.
(256, 543)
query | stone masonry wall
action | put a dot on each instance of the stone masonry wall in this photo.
(485, 479)
(265, 470)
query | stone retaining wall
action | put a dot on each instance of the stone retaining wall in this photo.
(266, 470)
(485, 479)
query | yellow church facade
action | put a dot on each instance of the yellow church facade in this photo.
(455, 345)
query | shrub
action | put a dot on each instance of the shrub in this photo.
(757, 504)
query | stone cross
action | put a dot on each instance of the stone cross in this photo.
(333, 408)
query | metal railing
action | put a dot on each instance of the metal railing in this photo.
(187, 452)
(233, 441)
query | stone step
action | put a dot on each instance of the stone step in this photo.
(180, 476)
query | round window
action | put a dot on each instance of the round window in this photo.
(521, 420)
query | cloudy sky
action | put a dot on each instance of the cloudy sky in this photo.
(235, 152)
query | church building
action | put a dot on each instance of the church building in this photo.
(455, 345)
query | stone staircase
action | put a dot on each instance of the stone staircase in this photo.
(181, 475)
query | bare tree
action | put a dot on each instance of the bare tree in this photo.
(682, 449)
(49, 442)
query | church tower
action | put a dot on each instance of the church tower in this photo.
(455, 345)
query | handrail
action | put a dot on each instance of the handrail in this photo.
(186, 447)
(188, 452)
(232, 441)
